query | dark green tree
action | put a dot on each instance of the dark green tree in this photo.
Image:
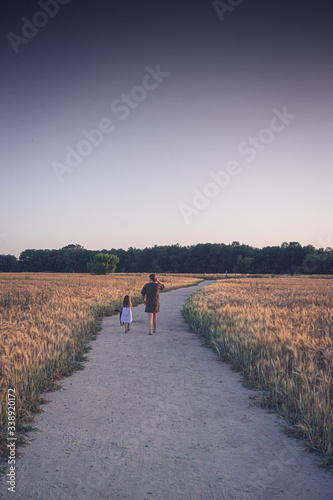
(103, 263)
(244, 265)
(8, 264)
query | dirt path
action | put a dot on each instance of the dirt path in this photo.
(159, 417)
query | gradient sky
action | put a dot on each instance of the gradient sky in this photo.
(225, 79)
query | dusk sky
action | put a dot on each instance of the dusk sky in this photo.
(141, 123)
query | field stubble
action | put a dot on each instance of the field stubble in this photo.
(278, 332)
(46, 324)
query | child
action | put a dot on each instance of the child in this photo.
(126, 315)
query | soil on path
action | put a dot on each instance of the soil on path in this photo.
(160, 417)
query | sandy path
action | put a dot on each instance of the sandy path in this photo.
(159, 417)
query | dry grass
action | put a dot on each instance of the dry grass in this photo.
(46, 323)
(279, 333)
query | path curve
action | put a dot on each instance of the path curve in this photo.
(161, 418)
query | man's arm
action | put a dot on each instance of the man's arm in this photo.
(158, 281)
(143, 293)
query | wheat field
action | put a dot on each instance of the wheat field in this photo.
(46, 323)
(279, 333)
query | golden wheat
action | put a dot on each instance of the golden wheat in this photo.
(279, 332)
(46, 321)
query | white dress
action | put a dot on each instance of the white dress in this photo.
(126, 315)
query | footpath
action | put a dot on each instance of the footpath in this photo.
(160, 418)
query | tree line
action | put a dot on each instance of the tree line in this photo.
(289, 258)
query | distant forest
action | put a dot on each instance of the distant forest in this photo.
(289, 258)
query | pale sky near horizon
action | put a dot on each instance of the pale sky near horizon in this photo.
(217, 87)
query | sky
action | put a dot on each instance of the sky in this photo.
(134, 124)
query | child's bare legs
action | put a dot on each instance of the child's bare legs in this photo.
(152, 321)
(126, 327)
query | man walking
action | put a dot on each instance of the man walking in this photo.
(151, 298)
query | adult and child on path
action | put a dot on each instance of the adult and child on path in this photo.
(164, 420)
(151, 298)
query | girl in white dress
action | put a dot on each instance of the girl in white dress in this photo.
(126, 314)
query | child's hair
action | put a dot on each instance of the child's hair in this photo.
(153, 277)
(127, 301)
